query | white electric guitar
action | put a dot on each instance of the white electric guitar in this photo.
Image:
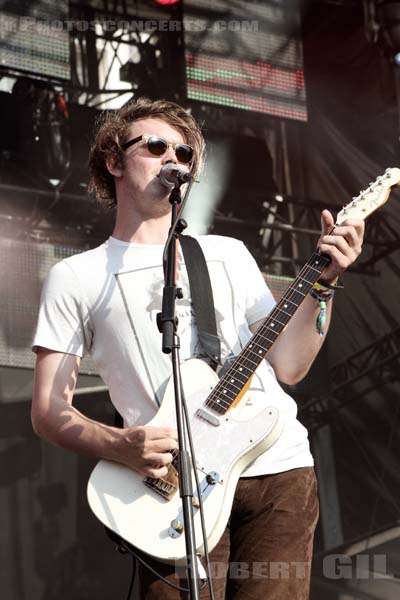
(147, 512)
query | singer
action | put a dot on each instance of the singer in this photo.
(104, 302)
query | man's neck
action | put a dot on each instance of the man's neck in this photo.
(150, 231)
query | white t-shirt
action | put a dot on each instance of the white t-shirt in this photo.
(105, 301)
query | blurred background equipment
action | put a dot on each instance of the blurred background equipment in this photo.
(34, 39)
(246, 55)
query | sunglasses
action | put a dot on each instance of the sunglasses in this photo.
(158, 146)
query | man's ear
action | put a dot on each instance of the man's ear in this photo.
(113, 166)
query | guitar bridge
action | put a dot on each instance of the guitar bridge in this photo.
(163, 488)
(168, 486)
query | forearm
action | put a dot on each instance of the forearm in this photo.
(296, 348)
(53, 416)
(145, 449)
(63, 425)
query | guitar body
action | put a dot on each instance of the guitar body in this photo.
(224, 445)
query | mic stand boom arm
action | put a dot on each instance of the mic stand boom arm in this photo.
(167, 324)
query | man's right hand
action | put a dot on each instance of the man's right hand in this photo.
(147, 450)
(144, 449)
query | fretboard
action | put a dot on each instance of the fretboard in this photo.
(244, 365)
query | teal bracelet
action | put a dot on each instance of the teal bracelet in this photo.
(322, 298)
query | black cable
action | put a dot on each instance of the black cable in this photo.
(132, 578)
(135, 556)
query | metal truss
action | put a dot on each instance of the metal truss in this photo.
(380, 241)
(101, 32)
(96, 53)
(301, 220)
(381, 237)
(354, 378)
(115, 28)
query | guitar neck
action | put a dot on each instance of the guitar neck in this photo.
(238, 376)
(235, 380)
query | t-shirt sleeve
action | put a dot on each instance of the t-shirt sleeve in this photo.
(259, 299)
(64, 323)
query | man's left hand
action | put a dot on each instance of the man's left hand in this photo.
(343, 244)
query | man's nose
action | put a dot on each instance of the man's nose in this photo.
(170, 156)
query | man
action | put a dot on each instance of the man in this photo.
(104, 301)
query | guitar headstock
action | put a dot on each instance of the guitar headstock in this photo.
(371, 198)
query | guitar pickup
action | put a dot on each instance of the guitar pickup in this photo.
(204, 414)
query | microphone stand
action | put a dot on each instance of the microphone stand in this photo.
(167, 324)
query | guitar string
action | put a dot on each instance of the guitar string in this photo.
(286, 298)
(291, 294)
(244, 367)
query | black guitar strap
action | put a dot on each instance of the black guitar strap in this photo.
(203, 303)
(202, 298)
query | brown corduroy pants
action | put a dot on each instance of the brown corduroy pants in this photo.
(266, 549)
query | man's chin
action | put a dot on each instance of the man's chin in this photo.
(161, 192)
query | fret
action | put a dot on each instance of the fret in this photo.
(314, 269)
(250, 360)
(225, 391)
(275, 320)
(287, 300)
(235, 384)
(258, 353)
(268, 339)
(306, 280)
(256, 344)
(218, 406)
(238, 378)
(280, 310)
(244, 365)
(268, 326)
(217, 395)
(297, 290)
(296, 296)
(222, 403)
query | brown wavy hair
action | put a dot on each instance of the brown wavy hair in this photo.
(112, 131)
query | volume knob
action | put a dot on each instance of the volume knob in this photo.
(177, 525)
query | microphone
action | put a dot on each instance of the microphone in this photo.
(172, 176)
